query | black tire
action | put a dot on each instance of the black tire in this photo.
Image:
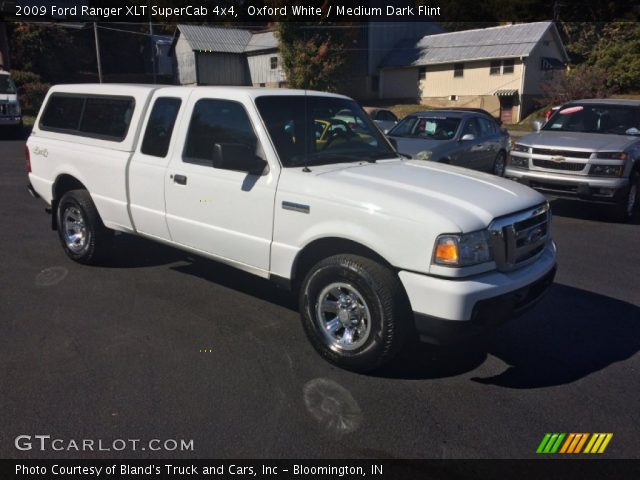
(624, 211)
(382, 294)
(499, 164)
(95, 239)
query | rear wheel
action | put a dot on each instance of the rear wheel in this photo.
(354, 311)
(82, 234)
(499, 164)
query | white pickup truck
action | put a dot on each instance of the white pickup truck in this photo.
(378, 247)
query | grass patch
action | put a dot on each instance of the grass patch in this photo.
(28, 120)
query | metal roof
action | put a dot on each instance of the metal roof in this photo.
(507, 41)
(215, 39)
(262, 41)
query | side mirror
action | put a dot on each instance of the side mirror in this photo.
(238, 157)
(468, 137)
(385, 131)
(537, 125)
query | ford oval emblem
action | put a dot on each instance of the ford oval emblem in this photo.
(534, 235)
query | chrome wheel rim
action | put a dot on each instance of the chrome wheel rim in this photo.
(498, 169)
(74, 229)
(343, 316)
(633, 197)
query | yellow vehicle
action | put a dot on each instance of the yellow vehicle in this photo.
(338, 131)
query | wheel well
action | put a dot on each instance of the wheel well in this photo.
(326, 247)
(62, 185)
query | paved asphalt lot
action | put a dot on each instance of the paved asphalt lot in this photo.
(116, 352)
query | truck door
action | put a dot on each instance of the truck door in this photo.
(150, 161)
(225, 213)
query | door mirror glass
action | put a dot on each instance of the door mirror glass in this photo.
(468, 137)
(238, 157)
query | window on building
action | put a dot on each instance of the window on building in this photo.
(422, 73)
(157, 136)
(458, 69)
(216, 121)
(274, 62)
(495, 67)
(507, 66)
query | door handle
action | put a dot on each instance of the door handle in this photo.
(179, 179)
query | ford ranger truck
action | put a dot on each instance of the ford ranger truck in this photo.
(378, 248)
(588, 150)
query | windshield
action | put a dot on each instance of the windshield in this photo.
(616, 119)
(6, 85)
(432, 128)
(314, 130)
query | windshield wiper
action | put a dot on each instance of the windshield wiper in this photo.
(322, 158)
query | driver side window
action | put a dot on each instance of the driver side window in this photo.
(471, 128)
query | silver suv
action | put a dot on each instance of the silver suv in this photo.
(587, 150)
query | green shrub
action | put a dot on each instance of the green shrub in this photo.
(20, 77)
(32, 96)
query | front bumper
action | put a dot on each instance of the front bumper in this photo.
(11, 121)
(581, 187)
(446, 310)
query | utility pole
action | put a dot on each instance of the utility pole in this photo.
(95, 34)
(153, 49)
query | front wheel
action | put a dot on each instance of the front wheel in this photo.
(629, 206)
(354, 311)
(83, 236)
(499, 164)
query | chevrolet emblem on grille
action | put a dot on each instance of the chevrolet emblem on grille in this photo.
(558, 159)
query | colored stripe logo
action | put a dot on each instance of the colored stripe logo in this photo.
(574, 443)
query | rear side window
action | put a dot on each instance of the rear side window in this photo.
(217, 121)
(98, 116)
(106, 117)
(62, 113)
(160, 127)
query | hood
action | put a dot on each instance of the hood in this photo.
(419, 190)
(578, 141)
(411, 146)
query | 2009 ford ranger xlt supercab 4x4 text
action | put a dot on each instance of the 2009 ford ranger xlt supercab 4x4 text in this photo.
(378, 247)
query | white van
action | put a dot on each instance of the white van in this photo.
(10, 112)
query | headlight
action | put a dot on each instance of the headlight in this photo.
(14, 109)
(607, 170)
(424, 155)
(519, 162)
(462, 250)
(517, 147)
(613, 155)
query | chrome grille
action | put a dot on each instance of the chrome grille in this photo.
(550, 164)
(561, 153)
(4, 108)
(520, 238)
